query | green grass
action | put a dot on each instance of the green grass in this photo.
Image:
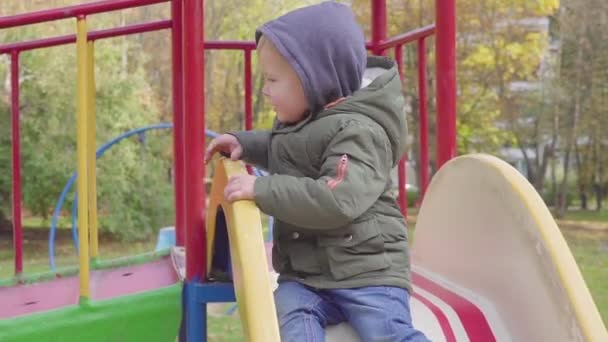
(225, 329)
(590, 249)
(588, 215)
(36, 253)
(33, 222)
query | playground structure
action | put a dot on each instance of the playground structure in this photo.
(470, 257)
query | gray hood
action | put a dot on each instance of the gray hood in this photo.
(329, 56)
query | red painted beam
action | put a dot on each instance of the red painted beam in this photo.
(94, 35)
(193, 142)
(378, 26)
(445, 45)
(229, 45)
(424, 117)
(72, 11)
(407, 37)
(248, 92)
(17, 227)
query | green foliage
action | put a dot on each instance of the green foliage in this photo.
(549, 197)
(5, 161)
(135, 194)
(140, 194)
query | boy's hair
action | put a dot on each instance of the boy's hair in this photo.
(261, 42)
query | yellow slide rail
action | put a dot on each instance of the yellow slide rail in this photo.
(252, 283)
(85, 145)
(82, 156)
(91, 158)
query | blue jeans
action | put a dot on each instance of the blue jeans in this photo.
(377, 313)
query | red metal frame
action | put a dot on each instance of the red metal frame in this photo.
(17, 226)
(248, 91)
(93, 35)
(72, 12)
(423, 118)
(229, 45)
(188, 98)
(445, 46)
(407, 37)
(378, 26)
(194, 127)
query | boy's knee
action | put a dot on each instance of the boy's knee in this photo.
(291, 297)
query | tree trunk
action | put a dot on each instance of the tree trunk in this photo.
(5, 223)
(581, 180)
(583, 197)
(597, 189)
(542, 168)
(562, 205)
(530, 169)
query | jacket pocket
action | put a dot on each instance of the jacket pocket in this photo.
(303, 257)
(359, 250)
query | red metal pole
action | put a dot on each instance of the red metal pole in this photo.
(378, 25)
(193, 142)
(424, 120)
(445, 17)
(408, 37)
(94, 35)
(72, 11)
(17, 227)
(248, 98)
(178, 120)
(228, 45)
(402, 168)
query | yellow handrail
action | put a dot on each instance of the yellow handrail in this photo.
(82, 156)
(92, 164)
(251, 277)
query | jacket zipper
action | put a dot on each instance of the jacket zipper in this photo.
(342, 164)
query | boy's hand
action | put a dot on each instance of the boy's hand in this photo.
(225, 143)
(239, 188)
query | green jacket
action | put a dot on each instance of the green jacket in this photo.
(337, 224)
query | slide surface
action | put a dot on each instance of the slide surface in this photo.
(484, 230)
(251, 277)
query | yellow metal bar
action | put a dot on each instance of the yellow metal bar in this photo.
(81, 147)
(252, 282)
(92, 165)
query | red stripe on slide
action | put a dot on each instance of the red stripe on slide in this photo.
(473, 320)
(446, 328)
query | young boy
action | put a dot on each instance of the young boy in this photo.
(340, 243)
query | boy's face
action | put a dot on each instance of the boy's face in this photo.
(282, 86)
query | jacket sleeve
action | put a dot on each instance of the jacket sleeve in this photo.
(255, 147)
(354, 173)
